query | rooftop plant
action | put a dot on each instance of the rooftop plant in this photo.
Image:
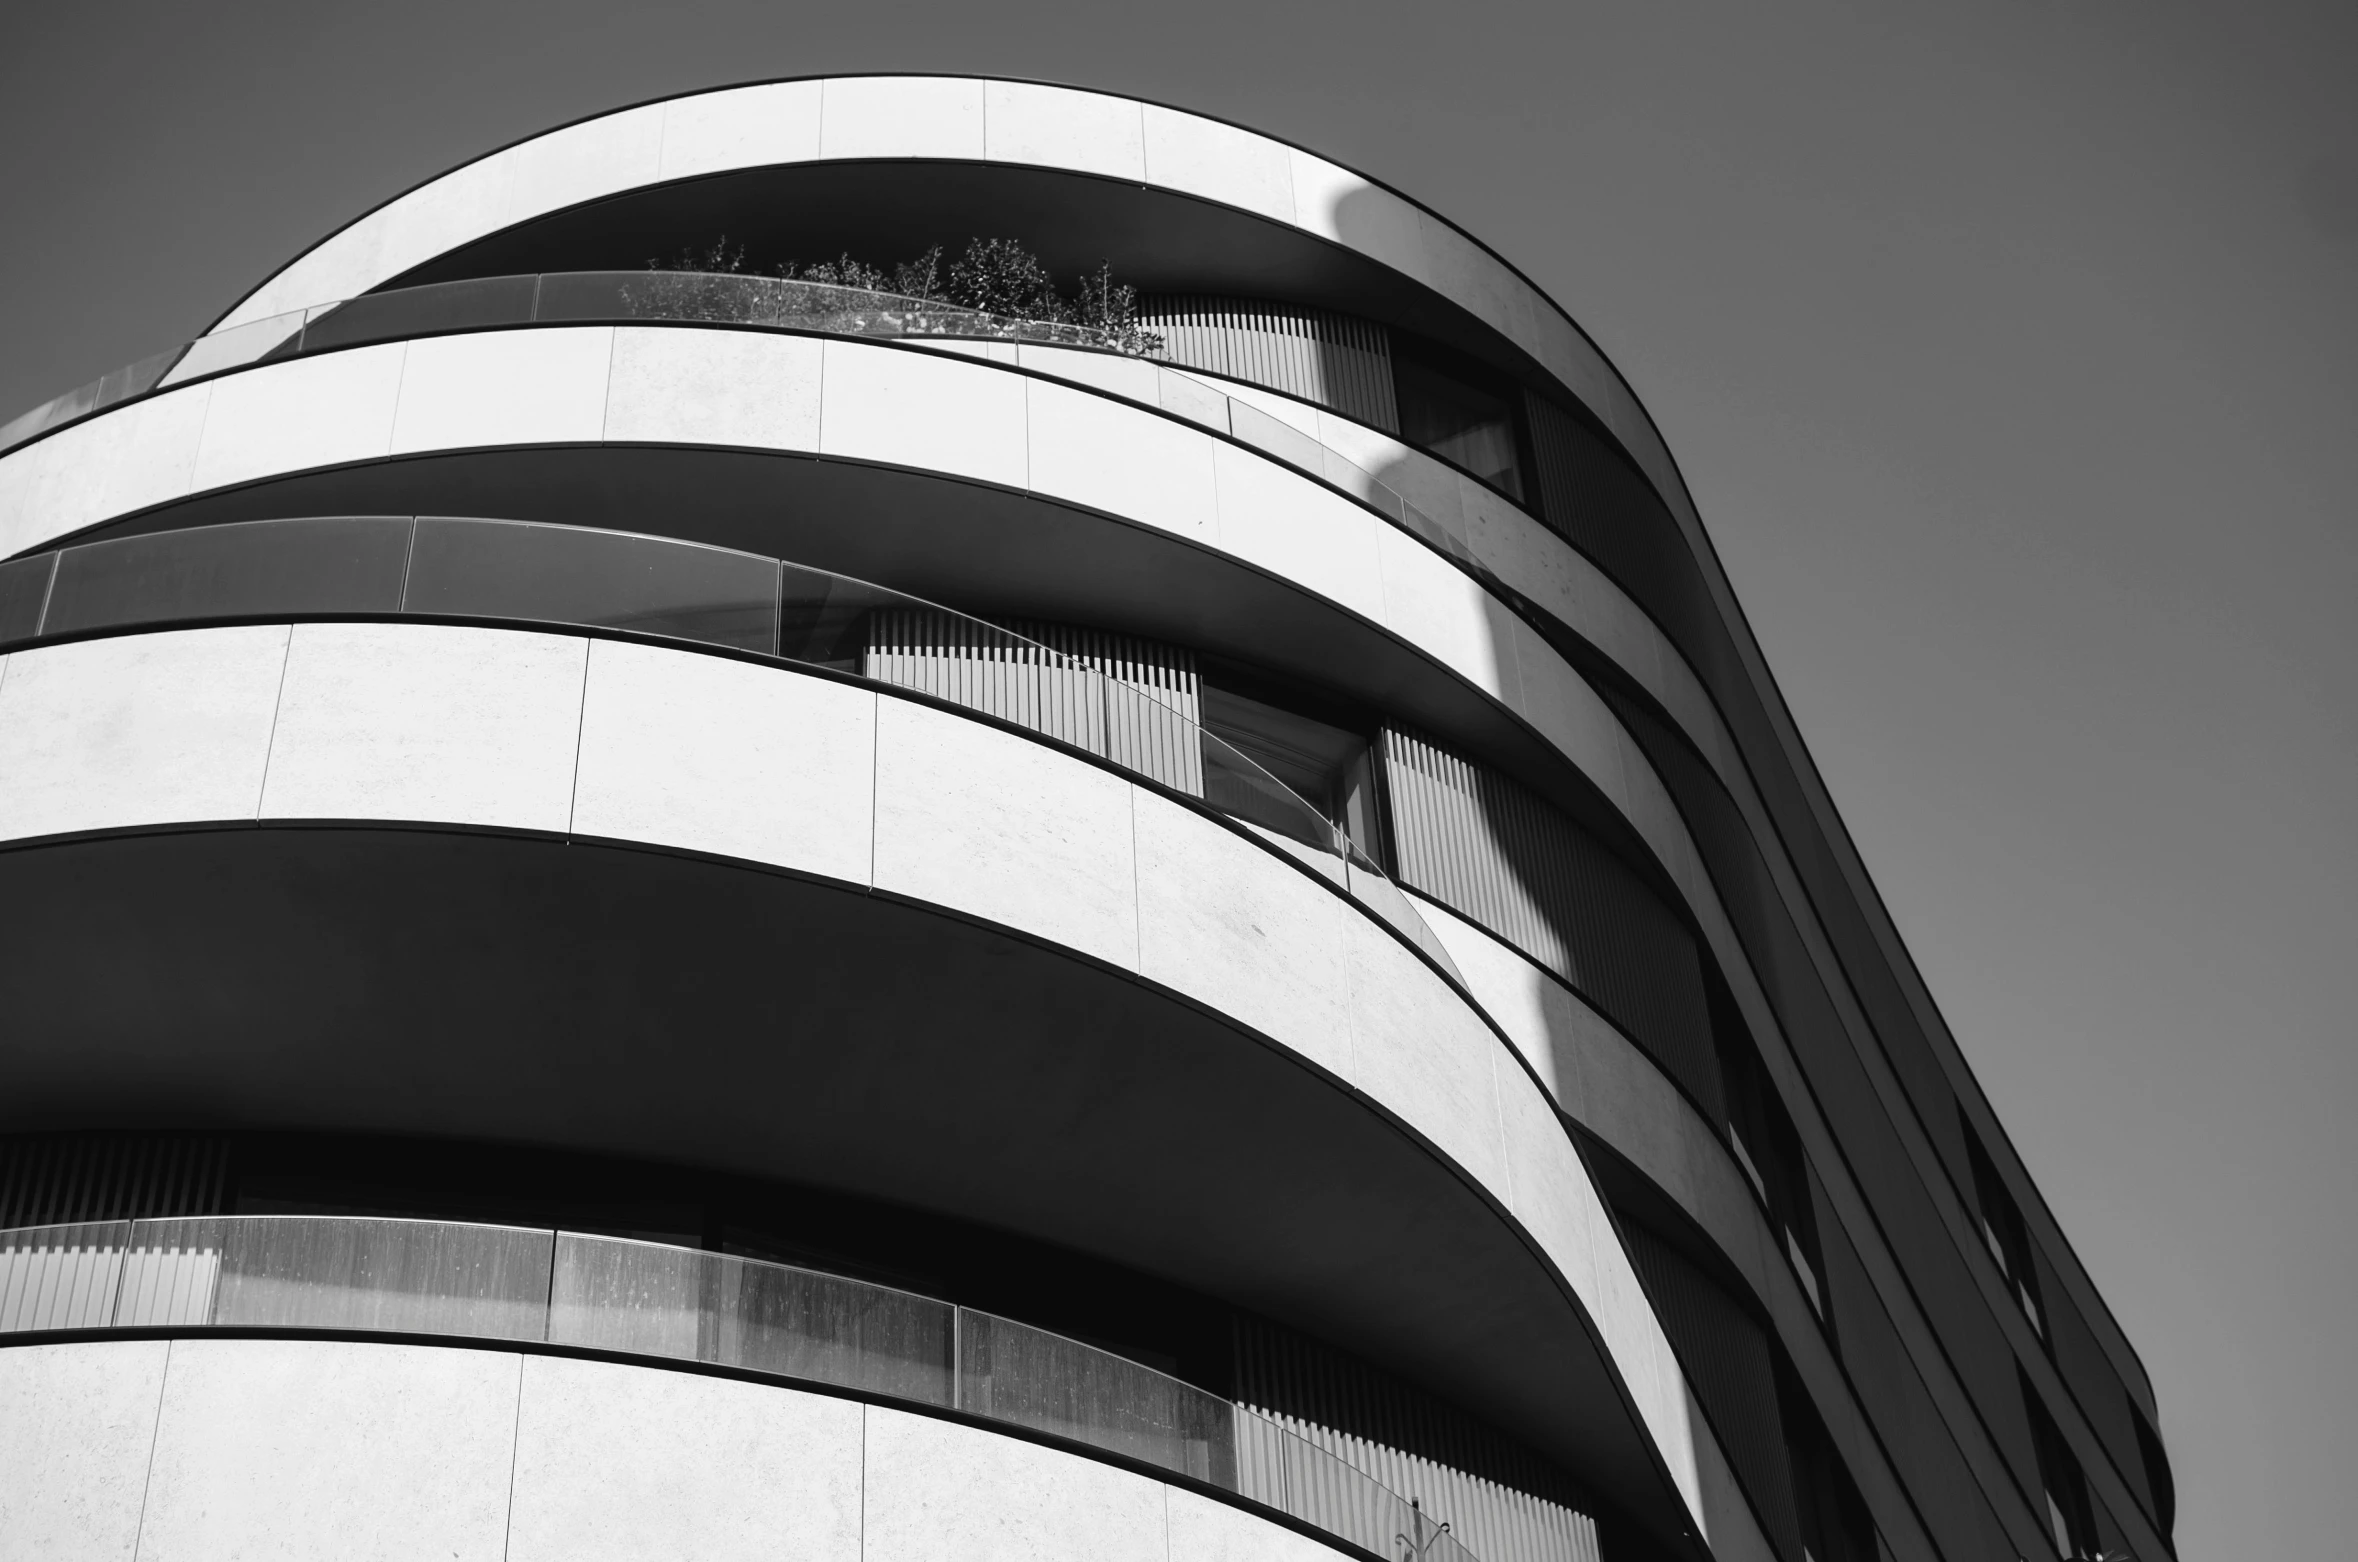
(994, 277)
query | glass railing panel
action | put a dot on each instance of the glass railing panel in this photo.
(349, 564)
(61, 1277)
(276, 336)
(823, 618)
(1012, 1372)
(568, 575)
(24, 592)
(334, 1272)
(472, 304)
(649, 1299)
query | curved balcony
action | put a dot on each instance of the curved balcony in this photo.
(451, 567)
(291, 1274)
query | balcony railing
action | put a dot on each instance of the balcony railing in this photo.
(448, 566)
(301, 1273)
(767, 303)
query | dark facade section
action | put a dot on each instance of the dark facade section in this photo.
(63, 1179)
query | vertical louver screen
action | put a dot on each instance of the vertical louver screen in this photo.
(1334, 360)
(1136, 702)
(1727, 1357)
(1502, 1500)
(61, 1179)
(1496, 854)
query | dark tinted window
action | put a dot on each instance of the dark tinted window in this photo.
(1456, 413)
(510, 569)
(349, 564)
(2004, 1234)
(1330, 766)
(1768, 1147)
(24, 586)
(2070, 1516)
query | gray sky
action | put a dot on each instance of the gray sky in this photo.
(2009, 350)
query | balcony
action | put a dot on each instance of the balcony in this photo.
(614, 1297)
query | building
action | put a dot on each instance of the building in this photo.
(663, 910)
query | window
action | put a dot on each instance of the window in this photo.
(2071, 1519)
(1462, 414)
(2004, 1234)
(1768, 1148)
(1332, 767)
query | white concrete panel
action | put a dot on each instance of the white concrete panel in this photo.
(1283, 522)
(137, 730)
(308, 412)
(504, 388)
(1006, 829)
(745, 127)
(679, 386)
(1139, 379)
(1630, 1103)
(1551, 1194)
(917, 409)
(1338, 204)
(427, 722)
(1056, 127)
(1206, 1531)
(116, 462)
(1727, 1519)
(76, 1426)
(620, 151)
(1197, 400)
(1218, 162)
(1548, 1022)
(458, 208)
(1421, 1051)
(727, 757)
(901, 116)
(1446, 613)
(1462, 270)
(939, 1490)
(622, 1464)
(1243, 931)
(302, 1449)
(1128, 462)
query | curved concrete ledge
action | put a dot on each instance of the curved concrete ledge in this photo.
(1599, 1079)
(960, 119)
(581, 739)
(261, 1447)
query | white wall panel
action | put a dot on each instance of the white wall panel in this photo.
(1109, 457)
(1337, 204)
(1422, 1052)
(1568, 713)
(727, 757)
(1202, 1530)
(917, 409)
(713, 388)
(1139, 379)
(139, 730)
(504, 388)
(1218, 162)
(1056, 127)
(999, 826)
(457, 725)
(745, 127)
(308, 412)
(115, 463)
(1445, 612)
(77, 1423)
(939, 1490)
(619, 151)
(624, 1464)
(901, 116)
(1271, 517)
(1239, 929)
(294, 1450)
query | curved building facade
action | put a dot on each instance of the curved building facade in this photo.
(665, 901)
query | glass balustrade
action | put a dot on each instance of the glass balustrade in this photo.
(764, 303)
(297, 1273)
(457, 567)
